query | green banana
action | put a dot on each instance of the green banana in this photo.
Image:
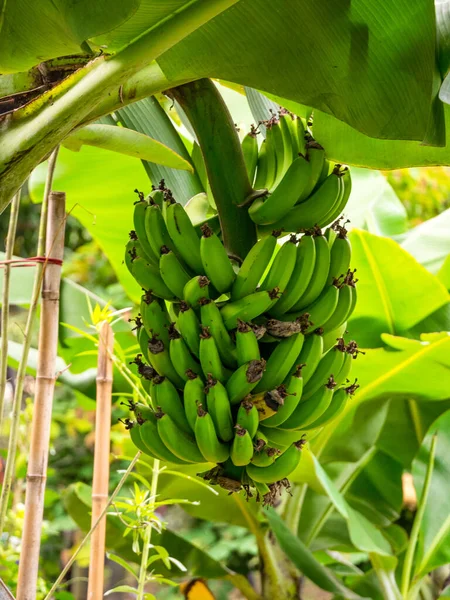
(149, 278)
(249, 148)
(177, 441)
(141, 410)
(189, 327)
(293, 390)
(140, 208)
(157, 195)
(184, 237)
(135, 435)
(342, 310)
(241, 448)
(167, 399)
(264, 455)
(159, 357)
(154, 444)
(327, 169)
(248, 308)
(345, 370)
(280, 152)
(320, 311)
(301, 275)
(270, 155)
(300, 135)
(143, 340)
(310, 355)
(172, 272)
(211, 317)
(219, 408)
(310, 410)
(281, 438)
(196, 289)
(193, 396)
(314, 210)
(215, 260)
(156, 230)
(154, 317)
(180, 356)
(320, 275)
(340, 255)
(290, 149)
(247, 347)
(282, 267)
(212, 449)
(210, 357)
(280, 469)
(336, 407)
(270, 209)
(280, 362)
(316, 157)
(244, 379)
(254, 266)
(262, 168)
(248, 417)
(347, 188)
(330, 364)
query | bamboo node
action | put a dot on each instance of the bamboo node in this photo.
(104, 379)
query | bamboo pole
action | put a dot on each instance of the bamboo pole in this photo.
(42, 412)
(9, 247)
(101, 460)
(29, 328)
(73, 558)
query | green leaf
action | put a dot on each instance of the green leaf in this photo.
(434, 540)
(303, 559)
(393, 371)
(107, 209)
(123, 563)
(345, 144)
(358, 431)
(406, 425)
(384, 567)
(376, 491)
(122, 588)
(148, 117)
(444, 272)
(429, 242)
(77, 500)
(34, 32)
(401, 46)
(385, 271)
(373, 205)
(363, 534)
(126, 141)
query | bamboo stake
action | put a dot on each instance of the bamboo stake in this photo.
(9, 246)
(101, 460)
(42, 412)
(29, 328)
(73, 558)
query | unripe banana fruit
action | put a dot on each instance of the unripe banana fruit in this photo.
(233, 357)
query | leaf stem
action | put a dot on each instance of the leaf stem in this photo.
(224, 162)
(29, 328)
(9, 247)
(94, 527)
(409, 557)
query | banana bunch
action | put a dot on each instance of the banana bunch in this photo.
(303, 188)
(232, 356)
